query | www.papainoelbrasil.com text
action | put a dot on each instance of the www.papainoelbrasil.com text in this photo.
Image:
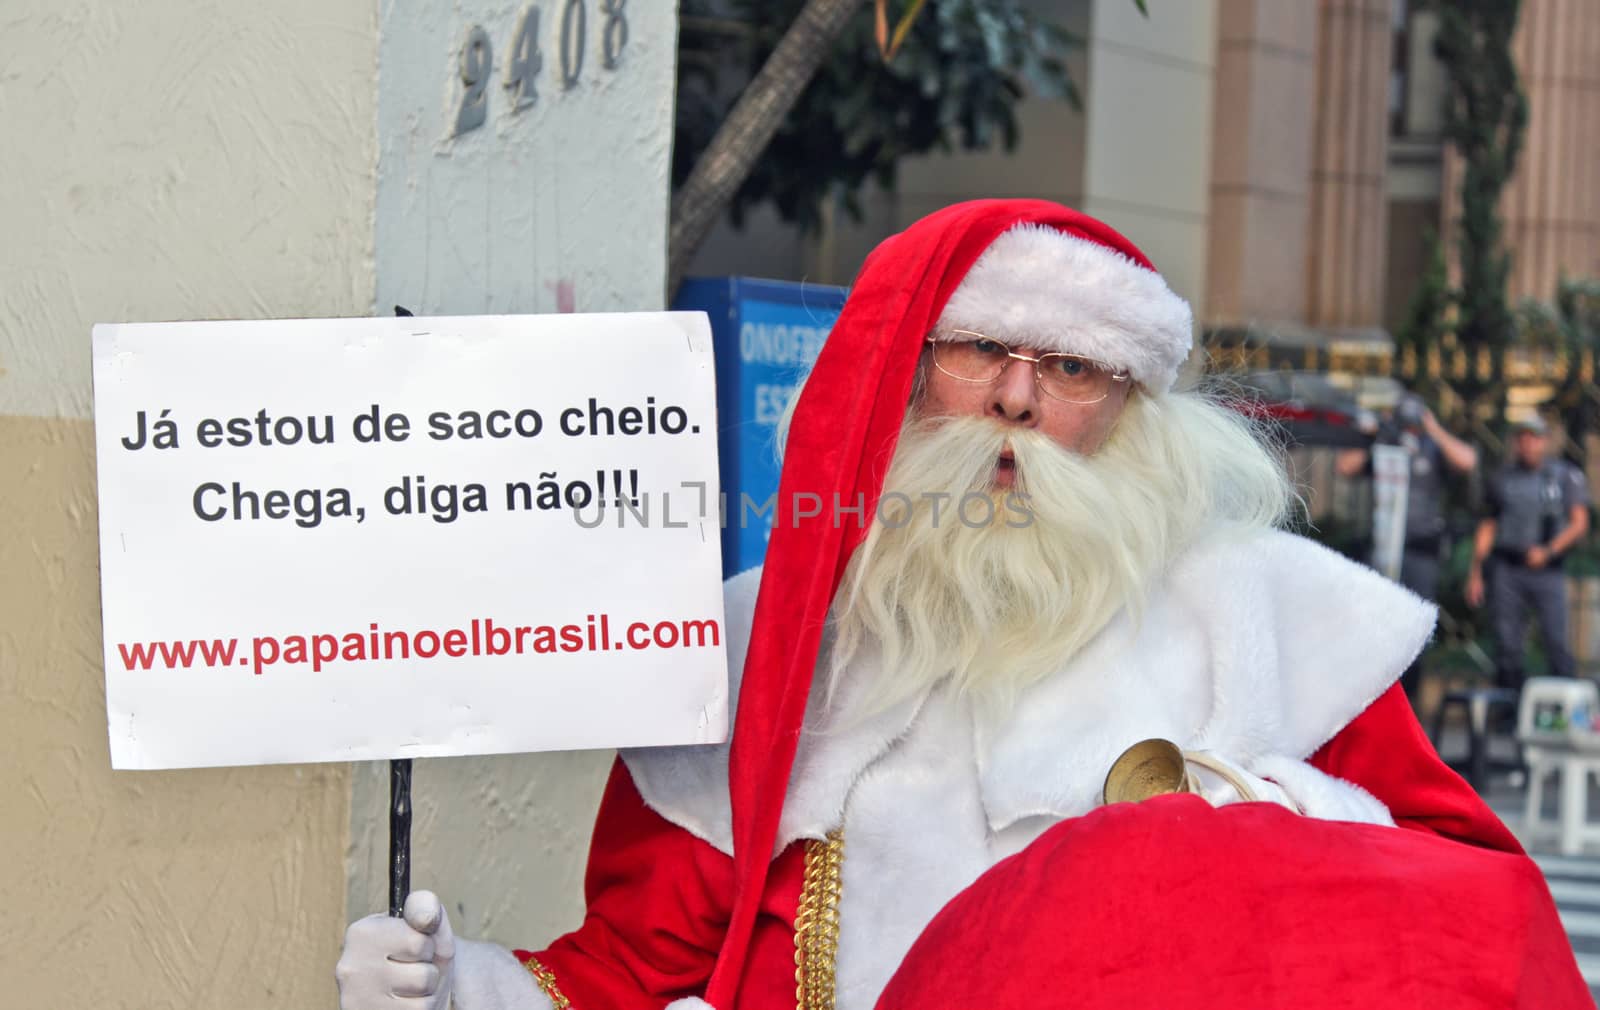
(480, 637)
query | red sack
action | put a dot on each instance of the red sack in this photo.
(1174, 904)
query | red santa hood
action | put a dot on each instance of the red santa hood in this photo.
(1063, 281)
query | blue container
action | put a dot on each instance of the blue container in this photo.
(766, 334)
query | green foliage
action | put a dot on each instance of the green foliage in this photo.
(1578, 305)
(1427, 312)
(1485, 117)
(954, 84)
(1569, 326)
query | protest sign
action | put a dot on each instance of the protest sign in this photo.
(327, 540)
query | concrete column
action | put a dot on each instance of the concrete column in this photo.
(1260, 162)
(1345, 270)
(555, 207)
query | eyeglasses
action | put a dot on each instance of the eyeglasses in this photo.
(1069, 377)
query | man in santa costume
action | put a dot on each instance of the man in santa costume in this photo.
(1037, 555)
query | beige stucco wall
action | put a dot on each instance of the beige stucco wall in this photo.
(181, 159)
(502, 839)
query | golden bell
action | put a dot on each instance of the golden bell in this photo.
(1153, 767)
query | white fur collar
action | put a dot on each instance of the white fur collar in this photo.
(1255, 645)
(1255, 648)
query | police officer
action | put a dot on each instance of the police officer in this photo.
(1537, 508)
(1431, 450)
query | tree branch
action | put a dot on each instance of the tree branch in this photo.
(750, 126)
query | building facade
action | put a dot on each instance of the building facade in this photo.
(1281, 161)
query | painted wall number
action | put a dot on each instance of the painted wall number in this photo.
(527, 60)
(475, 63)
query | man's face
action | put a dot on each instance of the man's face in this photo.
(1015, 399)
(1530, 448)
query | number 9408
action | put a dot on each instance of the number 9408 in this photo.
(527, 59)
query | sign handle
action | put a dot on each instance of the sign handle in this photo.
(399, 813)
(399, 834)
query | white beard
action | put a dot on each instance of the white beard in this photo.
(997, 605)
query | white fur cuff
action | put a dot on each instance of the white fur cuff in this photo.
(689, 1003)
(1321, 795)
(489, 977)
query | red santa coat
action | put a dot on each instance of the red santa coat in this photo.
(660, 879)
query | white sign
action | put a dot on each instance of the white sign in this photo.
(1391, 486)
(330, 540)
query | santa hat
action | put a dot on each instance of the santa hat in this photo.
(1044, 288)
(1028, 272)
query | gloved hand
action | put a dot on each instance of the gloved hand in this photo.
(398, 964)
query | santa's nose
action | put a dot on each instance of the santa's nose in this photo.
(1015, 397)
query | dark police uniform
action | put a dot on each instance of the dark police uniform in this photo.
(1530, 507)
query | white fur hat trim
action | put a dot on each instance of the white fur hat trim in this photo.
(1039, 287)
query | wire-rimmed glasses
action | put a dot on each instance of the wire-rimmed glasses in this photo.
(1072, 378)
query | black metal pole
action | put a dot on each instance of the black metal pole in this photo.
(399, 813)
(399, 834)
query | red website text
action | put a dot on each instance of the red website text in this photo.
(481, 637)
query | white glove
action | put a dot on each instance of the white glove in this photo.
(398, 964)
(1220, 780)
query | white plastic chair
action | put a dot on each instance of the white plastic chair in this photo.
(1570, 748)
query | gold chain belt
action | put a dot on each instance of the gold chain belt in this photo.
(816, 931)
(816, 925)
(546, 980)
